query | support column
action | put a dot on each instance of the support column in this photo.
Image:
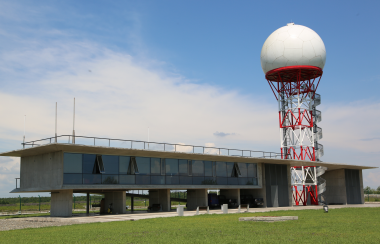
(196, 198)
(132, 204)
(335, 187)
(61, 203)
(118, 200)
(88, 204)
(160, 196)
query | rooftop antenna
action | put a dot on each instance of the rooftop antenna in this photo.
(23, 140)
(74, 123)
(148, 137)
(55, 122)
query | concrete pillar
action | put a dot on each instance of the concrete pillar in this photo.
(290, 192)
(88, 204)
(160, 196)
(196, 197)
(118, 200)
(231, 193)
(61, 203)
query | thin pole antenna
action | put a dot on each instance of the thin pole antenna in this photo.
(148, 137)
(23, 140)
(74, 123)
(55, 122)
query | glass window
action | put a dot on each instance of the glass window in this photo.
(252, 170)
(198, 168)
(230, 167)
(185, 180)
(221, 180)
(155, 166)
(143, 164)
(127, 179)
(124, 164)
(111, 164)
(88, 163)
(72, 179)
(72, 163)
(172, 180)
(183, 167)
(142, 180)
(221, 169)
(198, 180)
(171, 166)
(243, 169)
(92, 178)
(157, 180)
(233, 181)
(208, 168)
(244, 181)
(110, 179)
(209, 181)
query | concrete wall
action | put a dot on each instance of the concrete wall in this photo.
(196, 198)
(118, 200)
(61, 203)
(335, 186)
(160, 196)
(290, 192)
(41, 172)
(361, 185)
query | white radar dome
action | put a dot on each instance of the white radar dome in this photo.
(293, 45)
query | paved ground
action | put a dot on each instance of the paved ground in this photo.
(44, 221)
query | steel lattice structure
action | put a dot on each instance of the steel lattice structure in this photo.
(294, 88)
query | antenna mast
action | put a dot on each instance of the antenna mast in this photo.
(74, 123)
(55, 122)
(23, 140)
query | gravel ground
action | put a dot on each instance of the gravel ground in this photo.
(22, 223)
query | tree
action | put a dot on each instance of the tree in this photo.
(378, 190)
(367, 190)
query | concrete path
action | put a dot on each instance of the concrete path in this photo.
(92, 218)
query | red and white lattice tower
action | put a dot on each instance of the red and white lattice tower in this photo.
(292, 59)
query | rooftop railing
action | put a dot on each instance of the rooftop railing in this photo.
(153, 146)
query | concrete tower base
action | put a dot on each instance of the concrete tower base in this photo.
(118, 200)
(196, 198)
(160, 196)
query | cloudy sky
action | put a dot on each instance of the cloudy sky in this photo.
(187, 70)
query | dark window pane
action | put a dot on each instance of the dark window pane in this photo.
(124, 164)
(88, 163)
(221, 180)
(198, 168)
(92, 179)
(208, 168)
(110, 179)
(127, 179)
(72, 179)
(142, 180)
(111, 164)
(172, 180)
(243, 181)
(252, 169)
(183, 167)
(251, 181)
(185, 180)
(155, 166)
(157, 180)
(197, 180)
(209, 181)
(230, 167)
(233, 181)
(221, 169)
(143, 164)
(72, 163)
(243, 170)
(171, 166)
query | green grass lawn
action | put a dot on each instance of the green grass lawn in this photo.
(347, 225)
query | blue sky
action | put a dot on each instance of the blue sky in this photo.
(186, 69)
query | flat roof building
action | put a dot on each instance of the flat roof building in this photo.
(66, 168)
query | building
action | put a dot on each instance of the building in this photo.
(67, 168)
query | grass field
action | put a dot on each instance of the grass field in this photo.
(347, 225)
